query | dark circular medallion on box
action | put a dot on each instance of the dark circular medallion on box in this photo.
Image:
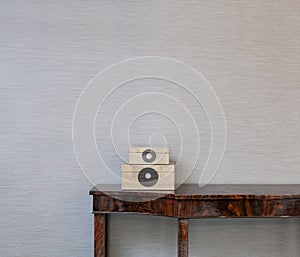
(149, 155)
(148, 177)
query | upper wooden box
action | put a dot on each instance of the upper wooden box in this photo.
(149, 155)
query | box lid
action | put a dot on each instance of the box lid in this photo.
(140, 149)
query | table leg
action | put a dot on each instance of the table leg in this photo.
(183, 237)
(100, 235)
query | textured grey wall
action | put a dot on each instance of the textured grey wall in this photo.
(49, 50)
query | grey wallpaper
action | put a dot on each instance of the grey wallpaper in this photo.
(49, 51)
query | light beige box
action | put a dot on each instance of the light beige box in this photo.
(149, 155)
(145, 177)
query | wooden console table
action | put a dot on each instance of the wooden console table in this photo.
(190, 202)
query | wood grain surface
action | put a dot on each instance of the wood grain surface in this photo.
(100, 237)
(183, 238)
(190, 201)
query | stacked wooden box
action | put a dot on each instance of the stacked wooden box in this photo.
(149, 169)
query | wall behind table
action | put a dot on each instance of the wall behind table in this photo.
(49, 51)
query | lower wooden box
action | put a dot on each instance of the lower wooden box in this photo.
(148, 177)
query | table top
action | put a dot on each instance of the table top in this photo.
(210, 191)
(192, 201)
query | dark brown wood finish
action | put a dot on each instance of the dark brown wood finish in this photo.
(192, 201)
(183, 238)
(100, 235)
(159, 207)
